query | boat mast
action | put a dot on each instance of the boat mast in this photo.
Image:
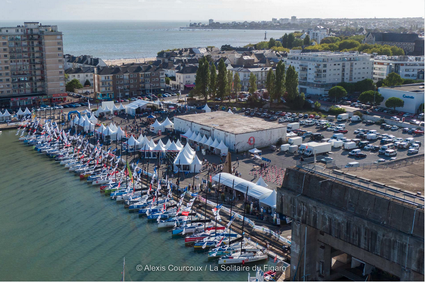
(244, 209)
(231, 208)
(216, 206)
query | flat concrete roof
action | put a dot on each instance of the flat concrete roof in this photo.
(408, 178)
(231, 123)
(409, 88)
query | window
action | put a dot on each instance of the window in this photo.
(59, 49)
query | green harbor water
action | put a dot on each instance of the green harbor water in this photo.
(55, 227)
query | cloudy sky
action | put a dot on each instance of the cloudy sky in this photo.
(202, 10)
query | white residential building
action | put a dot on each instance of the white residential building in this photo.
(185, 78)
(320, 71)
(408, 67)
(245, 73)
(318, 34)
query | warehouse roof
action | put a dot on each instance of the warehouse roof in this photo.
(415, 87)
(231, 123)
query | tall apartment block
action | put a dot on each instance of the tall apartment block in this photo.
(31, 65)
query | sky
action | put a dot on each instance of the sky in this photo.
(202, 10)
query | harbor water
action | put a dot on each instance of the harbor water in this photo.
(56, 227)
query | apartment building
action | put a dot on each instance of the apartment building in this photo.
(130, 80)
(31, 65)
(245, 73)
(185, 78)
(320, 71)
(83, 75)
(408, 67)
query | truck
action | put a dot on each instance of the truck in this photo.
(350, 146)
(317, 149)
(303, 147)
(292, 126)
(343, 117)
(295, 141)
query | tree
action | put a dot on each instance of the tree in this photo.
(252, 83)
(364, 85)
(297, 43)
(348, 44)
(285, 40)
(291, 84)
(317, 105)
(262, 45)
(87, 83)
(270, 84)
(221, 80)
(349, 87)
(371, 96)
(202, 78)
(236, 83)
(307, 40)
(66, 77)
(392, 79)
(279, 85)
(73, 84)
(299, 101)
(167, 80)
(394, 102)
(337, 92)
(213, 81)
(291, 38)
(229, 83)
(272, 43)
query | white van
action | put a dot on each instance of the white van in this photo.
(390, 153)
(371, 137)
(355, 119)
(337, 136)
(352, 164)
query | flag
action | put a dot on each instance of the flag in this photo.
(185, 213)
(129, 172)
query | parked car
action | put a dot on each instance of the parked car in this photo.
(326, 160)
(354, 152)
(390, 153)
(412, 151)
(360, 155)
(394, 128)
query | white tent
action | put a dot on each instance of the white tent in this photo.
(215, 144)
(120, 133)
(109, 132)
(179, 145)
(20, 112)
(209, 142)
(152, 143)
(198, 138)
(270, 200)
(6, 114)
(173, 148)
(75, 121)
(196, 165)
(206, 108)
(1, 116)
(255, 191)
(87, 126)
(159, 147)
(121, 107)
(203, 140)
(113, 127)
(115, 108)
(255, 151)
(168, 144)
(82, 120)
(223, 148)
(187, 134)
(27, 112)
(193, 136)
(168, 124)
(93, 119)
(101, 129)
(141, 140)
(156, 126)
(261, 182)
(230, 111)
(132, 143)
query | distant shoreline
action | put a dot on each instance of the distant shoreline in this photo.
(118, 62)
(241, 28)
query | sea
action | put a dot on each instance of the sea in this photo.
(144, 39)
(56, 227)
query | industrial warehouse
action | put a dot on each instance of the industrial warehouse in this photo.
(238, 133)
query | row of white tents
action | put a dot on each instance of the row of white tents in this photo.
(221, 148)
(157, 126)
(5, 116)
(88, 124)
(107, 110)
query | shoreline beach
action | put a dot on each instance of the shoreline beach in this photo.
(118, 62)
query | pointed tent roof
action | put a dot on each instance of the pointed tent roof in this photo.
(161, 143)
(93, 118)
(209, 142)
(215, 144)
(188, 133)
(156, 124)
(188, 148)
(1, 114)
(173, 148)
(113, 127)
(270, 200)
(27, 112)
(198, 138)
(20, 112)
(141, 139)
(152, 143)
(167, 123)
(120, 132)
(101, 129)
(230, 111)
(261, 182)
(75, 120)
(179, 145)
(6, 113)
(182, 159)
(82, 120)
(159, 146)
(193, 136)
(132, 142)
(206, 108)
(221, 146)
(203, 140)
(114, 108)
(121, 107)
(168, 144)
(108, 131)
(196, 161)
